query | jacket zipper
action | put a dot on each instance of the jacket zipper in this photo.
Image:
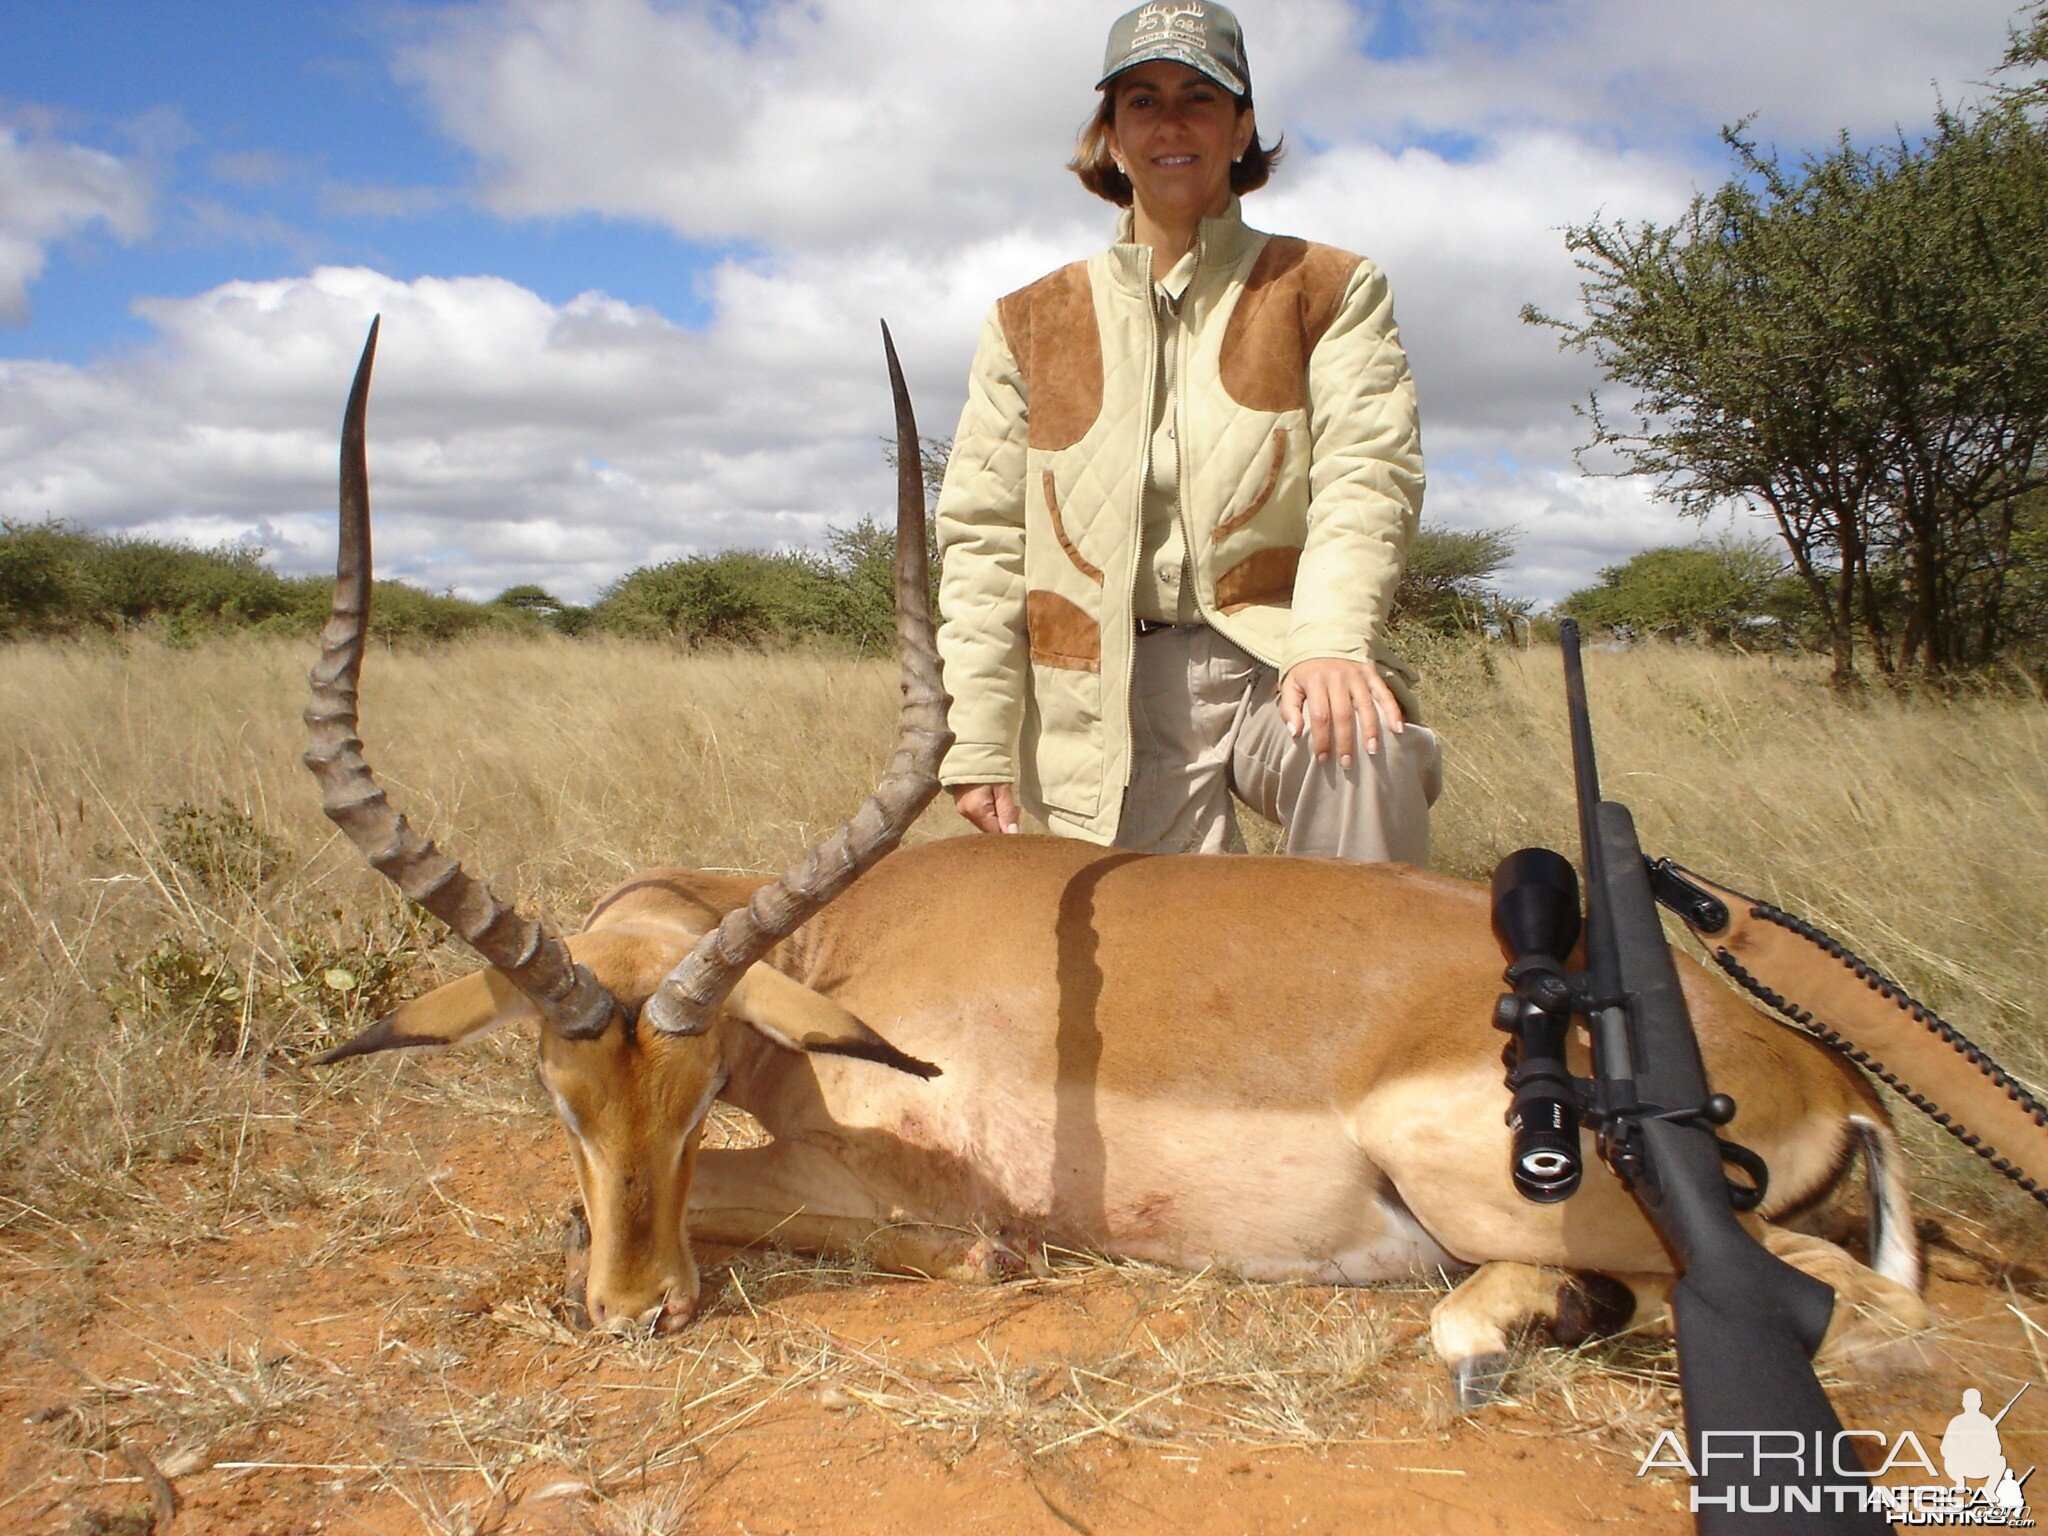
(1138, 530)
(1180, 460)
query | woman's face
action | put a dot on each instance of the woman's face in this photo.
(1175, 134)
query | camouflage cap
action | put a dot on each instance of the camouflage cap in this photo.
(1204, 37)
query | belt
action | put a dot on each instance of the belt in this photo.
(1153, 626)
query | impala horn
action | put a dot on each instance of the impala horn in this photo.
(525, 949)
(688, 999)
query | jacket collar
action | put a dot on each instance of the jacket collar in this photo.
(1219, 242)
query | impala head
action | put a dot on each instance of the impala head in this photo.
(639, 1019)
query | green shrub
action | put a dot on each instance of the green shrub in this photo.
(59, 580)
(222, 848)
(42, 577)
(736, 598)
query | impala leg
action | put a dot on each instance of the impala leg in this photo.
(1876, 1322)
(1473, 1327)
(777, 1196)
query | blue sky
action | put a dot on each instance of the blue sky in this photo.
(631, 251)
(286, 137)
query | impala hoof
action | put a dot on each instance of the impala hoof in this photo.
(1480, 1379)
(994, 1262)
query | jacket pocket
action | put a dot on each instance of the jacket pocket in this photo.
(1062, 754)
(1266, 577)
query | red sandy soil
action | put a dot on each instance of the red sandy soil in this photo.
(386, 1337)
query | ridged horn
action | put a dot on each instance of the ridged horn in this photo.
(527, 950)
(688, 998)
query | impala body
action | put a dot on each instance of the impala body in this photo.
(1284, 1068)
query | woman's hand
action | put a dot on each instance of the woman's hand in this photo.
(990, 807)
(1338, 701)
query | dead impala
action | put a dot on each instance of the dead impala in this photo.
(1284, 1068)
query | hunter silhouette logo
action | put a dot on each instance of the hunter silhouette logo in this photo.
(1971, 1453)
(1187, 22)
(1982, 1487)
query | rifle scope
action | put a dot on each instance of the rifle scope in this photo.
(1536, 920)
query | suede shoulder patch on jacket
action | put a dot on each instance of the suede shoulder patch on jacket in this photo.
(1290, 298)
(1050, 326)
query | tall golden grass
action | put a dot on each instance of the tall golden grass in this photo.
(178, 923)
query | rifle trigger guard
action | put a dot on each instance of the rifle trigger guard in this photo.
(1621, 1141)
(1746, 1197)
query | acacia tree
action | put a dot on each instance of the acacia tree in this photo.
(1858, 346)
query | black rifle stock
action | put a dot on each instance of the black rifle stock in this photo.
(1761, 1434)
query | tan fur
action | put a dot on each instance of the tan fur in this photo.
(1285, 1068)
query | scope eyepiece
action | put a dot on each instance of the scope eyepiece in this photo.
(1543, 1115)
(1536, 919)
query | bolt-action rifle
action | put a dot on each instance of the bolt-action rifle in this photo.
(1747, 1323)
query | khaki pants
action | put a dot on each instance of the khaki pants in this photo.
(1206, 725)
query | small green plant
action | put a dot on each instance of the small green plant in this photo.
(197, 985)
(221, 847)
(348, 979)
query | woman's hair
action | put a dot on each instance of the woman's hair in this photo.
(1098, 172)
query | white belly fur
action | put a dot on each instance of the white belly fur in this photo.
(1271, 1195)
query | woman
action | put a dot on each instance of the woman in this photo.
(1178, 503)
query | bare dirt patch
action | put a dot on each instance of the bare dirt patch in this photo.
(396, 1362)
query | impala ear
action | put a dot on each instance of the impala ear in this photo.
(449, 1015)
(624, 959)
(798, 1019)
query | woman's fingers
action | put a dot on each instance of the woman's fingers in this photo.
(1390, 706)
(976, 804)
(1364, 720)
(1006, 809)
(1340, 706)
(1317, 701)
(1290, 705)
(987, 807)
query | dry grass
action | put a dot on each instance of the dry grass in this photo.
(178, 923)
(179, 926)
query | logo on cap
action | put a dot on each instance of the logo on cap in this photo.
(1189, 22)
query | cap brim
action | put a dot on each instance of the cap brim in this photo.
(1201, 64)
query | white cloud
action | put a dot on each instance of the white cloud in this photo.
(878, 158)
(793, 124)
(52, 190)
(812, 124)
(1627, 71)
(510, 439)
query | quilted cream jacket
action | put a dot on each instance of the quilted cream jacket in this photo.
(1301, 484)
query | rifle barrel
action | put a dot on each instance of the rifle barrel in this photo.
(1613, 1042)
